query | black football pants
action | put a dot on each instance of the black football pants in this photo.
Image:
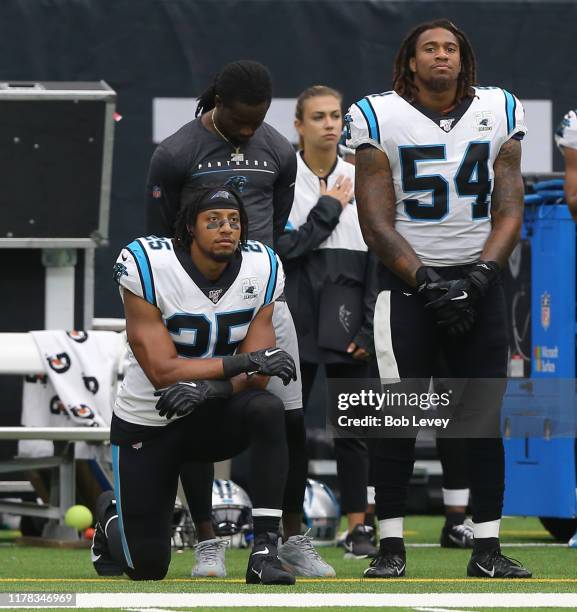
(351, 454)
(410, 346)
(147, 462)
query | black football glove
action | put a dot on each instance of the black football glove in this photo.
(482, 275)
(183, 397)
(269, 362)
(450, 301)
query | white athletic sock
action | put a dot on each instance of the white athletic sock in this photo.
(391, 528)
(490, 529)
(456, 497)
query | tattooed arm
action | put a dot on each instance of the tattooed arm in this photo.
(571, 180)
(506, 204)
(376, 204)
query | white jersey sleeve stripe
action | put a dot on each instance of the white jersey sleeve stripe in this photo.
(144, 271)
(272, 277)
(370, 116)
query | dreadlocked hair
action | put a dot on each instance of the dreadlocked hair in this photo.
(188, 213)
(403, 78)
(243, 81)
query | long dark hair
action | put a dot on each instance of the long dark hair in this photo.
(403, 78)
(189, 209)
(243, 81)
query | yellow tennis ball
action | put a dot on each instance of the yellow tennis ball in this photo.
(78, 517)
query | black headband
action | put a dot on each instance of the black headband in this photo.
(218, 198)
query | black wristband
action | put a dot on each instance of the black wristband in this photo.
(234, 365)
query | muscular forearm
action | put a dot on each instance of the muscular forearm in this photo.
(502, 240)
(169, 371)
(507, 204)
(394, 251)
(571, 180)
(376, 203)
(243, 382)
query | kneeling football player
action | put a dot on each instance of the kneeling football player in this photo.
(199, 323)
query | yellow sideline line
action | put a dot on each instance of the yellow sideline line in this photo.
(302, 580)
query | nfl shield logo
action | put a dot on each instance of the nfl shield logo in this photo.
(545, 310)
(156, 192)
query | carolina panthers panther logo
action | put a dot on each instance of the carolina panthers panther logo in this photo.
(59, 363)
(237, 182)
(118, 272)
(347, 129)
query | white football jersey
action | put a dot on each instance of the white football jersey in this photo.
(566, 134)
(210, 323)
(442, 166)
(347, 234)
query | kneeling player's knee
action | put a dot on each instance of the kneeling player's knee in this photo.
(151, 563)
(148, 569)
(267, 410)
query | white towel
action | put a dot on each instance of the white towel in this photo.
(78, 389)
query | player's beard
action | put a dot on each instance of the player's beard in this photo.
(439, 84)
(222, 257)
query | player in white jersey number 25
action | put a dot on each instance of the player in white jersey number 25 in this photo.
(440, 200)
(199, 322)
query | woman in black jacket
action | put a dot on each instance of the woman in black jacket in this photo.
(331, 283)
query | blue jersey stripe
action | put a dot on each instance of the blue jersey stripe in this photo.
(510, 105)
(115, 468)
(371, 118)
(144, 270)
(272, 278)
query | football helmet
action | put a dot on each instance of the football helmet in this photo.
(231, 513)
(183, 531)
(321, 513)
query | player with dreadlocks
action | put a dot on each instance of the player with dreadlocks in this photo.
(457, 531)
(440, 199)
(230, 143)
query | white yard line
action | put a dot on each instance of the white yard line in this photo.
(503, 545)
(437, 602)
(433, 610)
(340, 600)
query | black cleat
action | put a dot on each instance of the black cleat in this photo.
(264, 566)
(457, 536)
(103, 563)
(494, 564)
(359, 543)
(386, 565)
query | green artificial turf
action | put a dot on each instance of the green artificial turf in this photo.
(429, 569)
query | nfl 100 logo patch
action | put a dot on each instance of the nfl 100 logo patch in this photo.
(446, 124)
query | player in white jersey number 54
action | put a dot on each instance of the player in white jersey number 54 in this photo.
(440, 200)
(199, 323)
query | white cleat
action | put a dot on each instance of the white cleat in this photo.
(299, 556)
(210, 559)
